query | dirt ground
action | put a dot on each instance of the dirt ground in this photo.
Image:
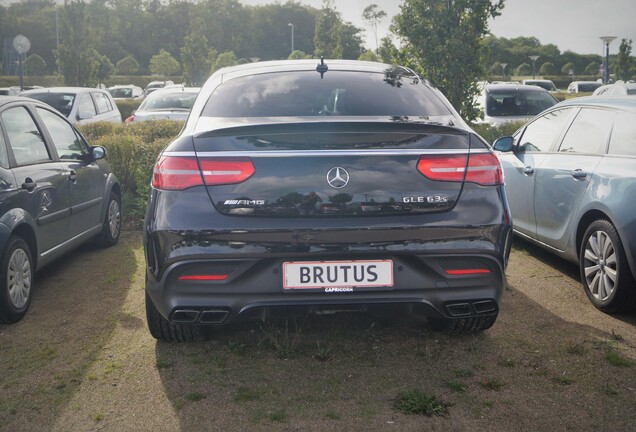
(83, 360)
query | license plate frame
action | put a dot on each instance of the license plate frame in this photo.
(337, 275)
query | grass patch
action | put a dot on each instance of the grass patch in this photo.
(463, 373)
(563, 380)
(245, 394)
(615, 359)
(332, 415)
(456, 386)
(283, 339)
(419, 402)
(492, 384)
(164, 364)
(323, 352)
(278, 416)
(194, 397)
(576, 349)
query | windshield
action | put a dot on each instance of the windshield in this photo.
(337, 93)
(167, 101)
(63, 102)
(121, 92)
(516, 103)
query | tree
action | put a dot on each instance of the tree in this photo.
(35, 65)
(369, 55)
(194, 55)
(105, 68)
(351, 41)
(442, 40)
(127, 66)
(373, 16)
(547, 68)
(566, 68)
(387, 51)
(591, 68)
(164, 64)
(523, 69)
(327, 41)
(624, 60)
(224, 59)
(297, 55)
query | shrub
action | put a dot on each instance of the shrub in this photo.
(132, 152)
(127, 107)
(490, 133)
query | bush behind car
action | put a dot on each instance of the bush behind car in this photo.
(132, 152)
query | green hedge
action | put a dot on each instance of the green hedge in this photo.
(127, 106)
(490, 133)
(132, 152)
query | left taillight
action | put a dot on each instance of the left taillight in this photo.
(481, 168)
(178, 173)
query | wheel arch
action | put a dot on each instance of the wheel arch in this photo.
(25, 232)
(596, 214)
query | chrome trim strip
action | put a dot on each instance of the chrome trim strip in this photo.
(321, 153)
(535, 241)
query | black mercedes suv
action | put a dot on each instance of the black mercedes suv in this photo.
(337, 185)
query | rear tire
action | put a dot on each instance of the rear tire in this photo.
(16, 284)
(458, 326)
(166, 331)
(605, 273)
(112, 222)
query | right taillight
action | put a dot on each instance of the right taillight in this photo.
(178, 173)
(481, 168)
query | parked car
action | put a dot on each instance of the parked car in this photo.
(81, 105)
(237, 224)
(170, 103)
(571, 181)
(125, 91)
(56, 192)
(619, 88)
(583, 86)
(156, 85)
(503, 103)
(545, 84)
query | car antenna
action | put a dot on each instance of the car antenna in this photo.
(322, 67)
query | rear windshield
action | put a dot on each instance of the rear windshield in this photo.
(337, 93)
(121, 92)
(169, 101)
(516, 103)
(63, 102)
(588, 87)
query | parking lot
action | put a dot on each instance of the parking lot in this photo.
(82, 359)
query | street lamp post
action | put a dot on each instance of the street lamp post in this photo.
(503, 71)
(606, 73)
(534, 58)
(292, 36)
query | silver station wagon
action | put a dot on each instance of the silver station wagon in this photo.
(570, 174)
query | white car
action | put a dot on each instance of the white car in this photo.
(503, 103)
(81, 105)
(583, 86)
(171, 103)
(619, 88)
(125, 91)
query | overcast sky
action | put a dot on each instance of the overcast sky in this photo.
(574, 25)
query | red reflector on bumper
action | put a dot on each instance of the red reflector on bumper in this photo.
(467, 272)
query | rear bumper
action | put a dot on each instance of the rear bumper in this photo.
(254, 286)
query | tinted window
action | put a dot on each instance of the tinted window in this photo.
(543, 132)
(65, 139)
(589, 132)
(338, 93)
(588, 87)
(25, 138)
(86, 107)
(623, 141)
(517, 103)
(102, 102)
(169, 101)
(63, 102)
(121, 92)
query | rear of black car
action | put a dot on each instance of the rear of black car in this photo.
(355, 188)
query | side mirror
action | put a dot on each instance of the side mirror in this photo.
(98, 152)
(504, 144)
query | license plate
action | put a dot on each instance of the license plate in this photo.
(337, 275)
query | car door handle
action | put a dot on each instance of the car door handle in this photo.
(579, 174)
(72, 175)
(528, 170)
(29, 184)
